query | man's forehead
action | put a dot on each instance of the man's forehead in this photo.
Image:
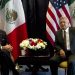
(63, 19)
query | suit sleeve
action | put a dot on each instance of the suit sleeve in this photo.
(3, 38)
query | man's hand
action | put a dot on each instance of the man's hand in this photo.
(7, 47)
(62, 53)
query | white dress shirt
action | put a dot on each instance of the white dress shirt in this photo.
(67, 39)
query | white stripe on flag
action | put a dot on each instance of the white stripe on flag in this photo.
(50, 32)
(51, 21)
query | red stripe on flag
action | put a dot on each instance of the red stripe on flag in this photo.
(15, 37)
(66, 13)
(53, 17)
(59, 14)
(50, 26)
(50, 39)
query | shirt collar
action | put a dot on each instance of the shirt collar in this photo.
(66, 29)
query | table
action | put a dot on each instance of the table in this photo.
(37, 61)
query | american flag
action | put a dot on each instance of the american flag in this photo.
(56, 9)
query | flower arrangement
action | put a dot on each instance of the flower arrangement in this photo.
(33, 43)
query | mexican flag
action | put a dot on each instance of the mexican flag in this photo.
(72, 11)
(12, 20)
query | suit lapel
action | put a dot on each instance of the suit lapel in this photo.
(70, 35)
(61, 36)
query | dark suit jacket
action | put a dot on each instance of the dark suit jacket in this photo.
(3, 38)
(3, 41)
(59, 42)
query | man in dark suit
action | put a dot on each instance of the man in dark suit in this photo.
(65, 48)
(5, 57)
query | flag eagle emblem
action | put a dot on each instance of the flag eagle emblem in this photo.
(11, 15)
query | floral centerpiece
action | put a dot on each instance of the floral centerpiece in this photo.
(34, 44)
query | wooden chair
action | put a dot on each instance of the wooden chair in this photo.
(64, 66)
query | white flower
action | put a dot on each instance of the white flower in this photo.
(24, 44)
(33, 43)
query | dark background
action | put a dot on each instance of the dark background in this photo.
(35, 13)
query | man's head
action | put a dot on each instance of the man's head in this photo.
(64, 23)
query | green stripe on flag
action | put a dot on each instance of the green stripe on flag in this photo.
(70, 2)
(2, 3)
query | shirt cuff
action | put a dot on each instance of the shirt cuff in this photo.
(1, 47)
